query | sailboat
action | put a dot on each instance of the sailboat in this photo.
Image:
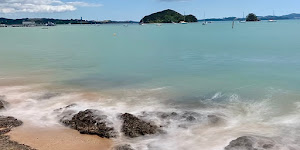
(271, 20)
(204, 23)
(243, 21)
(183, 22)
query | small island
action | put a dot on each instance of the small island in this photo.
(252, 17)
(168, 16)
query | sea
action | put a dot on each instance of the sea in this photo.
(231, 82)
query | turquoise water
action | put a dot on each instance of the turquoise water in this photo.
(190, 58)
(252, 62)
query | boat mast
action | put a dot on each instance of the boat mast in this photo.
(204, 18)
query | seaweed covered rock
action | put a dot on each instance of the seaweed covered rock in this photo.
(252, 143)
(135, 127)
(123, 147)
(91, 122)
(9, 122)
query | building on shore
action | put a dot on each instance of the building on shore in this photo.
(28, 23)
(3, 25)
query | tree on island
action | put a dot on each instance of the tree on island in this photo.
(168, 16)
(252, 17)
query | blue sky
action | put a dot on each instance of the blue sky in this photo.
(136, 9)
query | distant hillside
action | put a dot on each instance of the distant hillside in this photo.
(168, 16)
(284, 17)
(57, 21)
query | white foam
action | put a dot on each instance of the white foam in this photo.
(238, 117)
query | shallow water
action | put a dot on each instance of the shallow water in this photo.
(249, 77)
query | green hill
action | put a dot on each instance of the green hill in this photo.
(167, 16)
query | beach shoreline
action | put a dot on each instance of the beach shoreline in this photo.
(61, 138)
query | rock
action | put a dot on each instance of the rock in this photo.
(168, 115)
(190, 116)
(215, 120)
(7, 144)
(48, 95)
(6, 124)
(66, 107)
(252, 143)
(91, 122)
(123, 147)
(135, 127)
(9, 122)
(3, 103)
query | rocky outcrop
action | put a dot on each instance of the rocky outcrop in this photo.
(123, 147)
(135, 127)
(6, 124)
(91, 122)
(252, 143)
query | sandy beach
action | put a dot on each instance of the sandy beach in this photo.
(59, 138)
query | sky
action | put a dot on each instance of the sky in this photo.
(136, 9)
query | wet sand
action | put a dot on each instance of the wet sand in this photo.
(59, 138)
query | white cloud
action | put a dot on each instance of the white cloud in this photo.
(41, 6)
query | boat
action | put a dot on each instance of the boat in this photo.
(271, 20)
(183, 22)
(204, 23)
(243, 21)
(158, 24)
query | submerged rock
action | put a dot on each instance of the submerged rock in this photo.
(91, 122)
(3, 103)
(252, 143)
(123, 147)
(48, 95)
(135, 127)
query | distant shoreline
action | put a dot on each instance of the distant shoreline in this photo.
(43, 21)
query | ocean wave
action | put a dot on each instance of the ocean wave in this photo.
(224, 117)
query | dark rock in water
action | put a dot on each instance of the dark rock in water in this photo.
(66, 107)
(91, 122)
(48, 95)
(168, 115)
(9, 122)
(252, 143)
(135, 127)
(3, 103)
(123, 147)
(190, 116)
(213, 119)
